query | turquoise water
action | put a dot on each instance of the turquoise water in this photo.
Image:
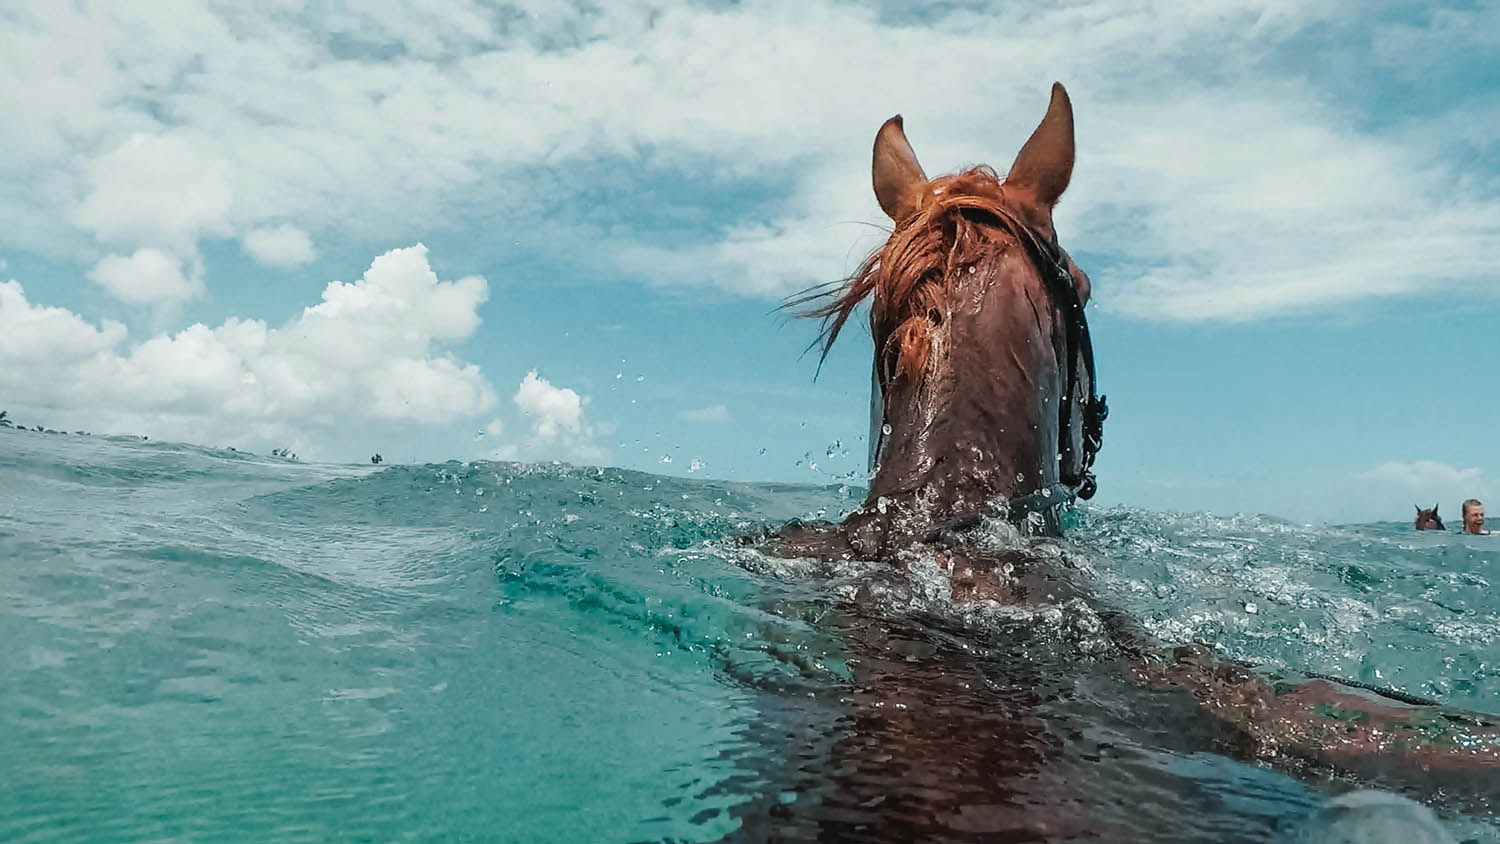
(208, 645)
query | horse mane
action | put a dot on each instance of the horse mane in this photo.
(912, 274)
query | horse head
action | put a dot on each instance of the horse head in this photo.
(983, 375)
(1428, 519)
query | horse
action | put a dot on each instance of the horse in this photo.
(983, 407)
(1429, 519)
(983, 377)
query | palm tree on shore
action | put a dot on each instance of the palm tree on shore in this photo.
(5, 423)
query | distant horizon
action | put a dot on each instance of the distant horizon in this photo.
(564, 234)
(387, 463)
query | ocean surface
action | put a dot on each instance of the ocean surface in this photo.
(207, 645)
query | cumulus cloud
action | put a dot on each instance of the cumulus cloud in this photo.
(1214, 181)
(155, 189)
(558, 430)
(553, 410)
(715, 413)
(33, 338)
(147, 277)
(279, 246)
(368, 356)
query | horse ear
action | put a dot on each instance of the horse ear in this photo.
(1044, 165)
(1419, 507)
(899, 180)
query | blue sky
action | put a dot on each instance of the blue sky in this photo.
(1290, 213)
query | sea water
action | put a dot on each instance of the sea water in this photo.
(201, 644)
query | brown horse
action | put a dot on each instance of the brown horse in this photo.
(984, 405)
(1428, 519)
(983, 371)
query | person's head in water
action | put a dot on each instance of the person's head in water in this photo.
(1474, 516)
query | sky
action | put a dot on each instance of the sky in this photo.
(560, 231)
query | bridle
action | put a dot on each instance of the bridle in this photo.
(1080, 398)
(1081, 404)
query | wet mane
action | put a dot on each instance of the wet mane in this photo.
(912, 274)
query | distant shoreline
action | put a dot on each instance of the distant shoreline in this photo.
(7, 423)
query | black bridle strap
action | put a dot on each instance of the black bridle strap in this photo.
(1048, 255)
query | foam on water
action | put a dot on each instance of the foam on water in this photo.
(205, 644)
(1379, 603)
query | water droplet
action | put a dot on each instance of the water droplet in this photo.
(666, 458)
(1251, 608)
(1020, 478)
(762, 451)
(971, 269)
(619, 375)
(639, 378)
(478, 435)
(886, 429)
(696, 465)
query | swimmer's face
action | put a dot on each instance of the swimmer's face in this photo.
(1474, 518)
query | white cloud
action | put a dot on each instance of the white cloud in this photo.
(36, 337)
(368, 357)
(279, 246)
(1269, 208)
(716, 413)
(494, 429)
(148, 277)
(1395, 487)
(1214, 181)
(558, 429)
(1426, 475)
(553, 410)
(155, 189)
